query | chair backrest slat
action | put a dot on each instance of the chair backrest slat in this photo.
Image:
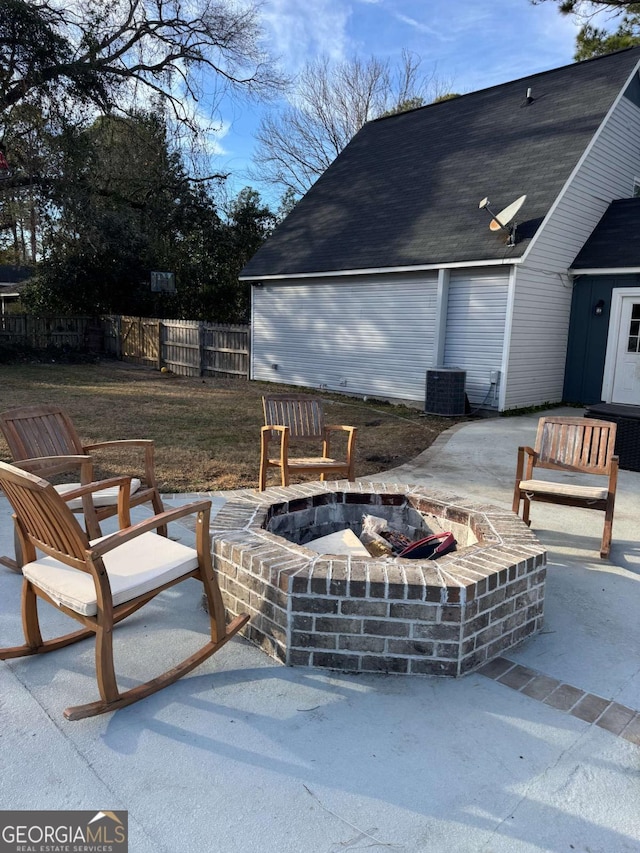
(302, 414)
(34, 431)
(43, 515)
(577, 444)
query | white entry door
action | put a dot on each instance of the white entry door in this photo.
(623, 350)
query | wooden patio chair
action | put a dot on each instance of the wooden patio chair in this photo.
(299, 418)
(579, 445)
(99, 583)
(38, 435)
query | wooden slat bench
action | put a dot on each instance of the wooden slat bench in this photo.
(579, 445)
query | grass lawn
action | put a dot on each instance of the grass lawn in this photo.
(206, 432)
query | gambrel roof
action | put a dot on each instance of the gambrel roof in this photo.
(405, 191)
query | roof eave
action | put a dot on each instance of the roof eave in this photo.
(384, 270)
(604, 271)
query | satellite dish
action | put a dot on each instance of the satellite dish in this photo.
(500, 220)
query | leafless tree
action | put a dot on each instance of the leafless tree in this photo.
(329, 104)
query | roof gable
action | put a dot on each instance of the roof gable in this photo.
(615, 242)
(405, 191)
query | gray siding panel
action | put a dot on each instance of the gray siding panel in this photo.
(371, 335)
(474, 339)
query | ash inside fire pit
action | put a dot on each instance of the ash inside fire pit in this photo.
(367, 614)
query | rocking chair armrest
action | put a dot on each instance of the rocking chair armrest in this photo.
(147, 444)
(350, 429)
(97, 486)
(121, 536)
(88, 506)
(123, 442)
(48, 465)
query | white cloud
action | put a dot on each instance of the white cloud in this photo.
(301, 31)
(213, 136)
(421, 27)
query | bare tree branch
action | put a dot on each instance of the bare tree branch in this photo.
(330, 103)
(91, 50)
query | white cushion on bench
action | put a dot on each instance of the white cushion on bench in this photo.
(136, 567)
(105, 497)
(542, 487)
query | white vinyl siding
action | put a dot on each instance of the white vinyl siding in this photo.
(539, 335)
(370, 335)
(542, 300)
(475, 330)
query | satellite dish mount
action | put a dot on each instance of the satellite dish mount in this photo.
(504, 221)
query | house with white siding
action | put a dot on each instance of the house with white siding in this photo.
(388, 268)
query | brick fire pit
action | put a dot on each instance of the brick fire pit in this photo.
(367, 614)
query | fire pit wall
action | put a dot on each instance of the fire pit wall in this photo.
(367, 614)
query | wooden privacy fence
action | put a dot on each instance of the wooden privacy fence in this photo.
(82, 333)
(186, 347)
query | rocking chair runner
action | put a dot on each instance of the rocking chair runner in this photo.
(38, 435)
(577, 445)
(102, 582)
(301, 419)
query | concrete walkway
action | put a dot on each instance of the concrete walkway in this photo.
(540, 753)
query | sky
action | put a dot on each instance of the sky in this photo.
(469, 44)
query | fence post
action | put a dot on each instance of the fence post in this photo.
(201, 337)
(160, 342)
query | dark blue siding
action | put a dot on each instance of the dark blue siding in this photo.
(587, 346)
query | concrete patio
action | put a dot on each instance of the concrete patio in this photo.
(541, 752)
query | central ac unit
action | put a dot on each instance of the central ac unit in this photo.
(445, 393)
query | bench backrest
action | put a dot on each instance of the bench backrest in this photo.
(302, 414)
(575, 444)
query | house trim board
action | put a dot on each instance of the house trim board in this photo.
(613, 338)
(506, 351)
(441, 317)
(385, 270)
(605, 271)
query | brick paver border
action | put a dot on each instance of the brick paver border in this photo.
(606, 713)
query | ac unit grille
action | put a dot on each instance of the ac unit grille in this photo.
(444, 393)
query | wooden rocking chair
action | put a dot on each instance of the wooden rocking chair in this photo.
(299, 418)
(580, 445)
(38, 435)
(102, 582)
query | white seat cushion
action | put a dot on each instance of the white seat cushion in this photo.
(138, 566)
(105, 497)
(542, 487)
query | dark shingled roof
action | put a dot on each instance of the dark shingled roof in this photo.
(10, 274)
(615, 242)
(405, 191)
